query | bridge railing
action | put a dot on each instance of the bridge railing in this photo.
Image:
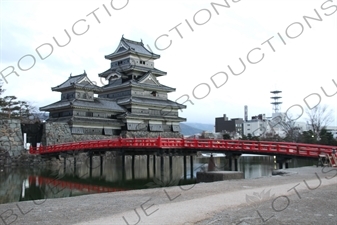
(246, 146)
(139, 142)
(171, 142)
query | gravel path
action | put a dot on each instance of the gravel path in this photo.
(305, 195)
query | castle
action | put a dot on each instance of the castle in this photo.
(132, 104)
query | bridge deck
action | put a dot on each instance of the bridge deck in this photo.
(211, 145)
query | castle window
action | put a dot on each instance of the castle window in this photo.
(154, 93)
(142, 62)
(89, 114)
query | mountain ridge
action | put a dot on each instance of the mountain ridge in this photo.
(188, 129)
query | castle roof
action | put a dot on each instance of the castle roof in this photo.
(164, 104)
(151, 117)
(97, 104)
(127, 68)
(79, 81)
(127, 46)
(147, 81)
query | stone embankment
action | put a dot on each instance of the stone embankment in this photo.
(11, 137)
(22, 160)
(12, 151)
(58, 133)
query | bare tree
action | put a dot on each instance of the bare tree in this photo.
(318, 118)
(291, 130)
(26, 109)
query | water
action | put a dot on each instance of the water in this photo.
(254, 166)
(55, 180)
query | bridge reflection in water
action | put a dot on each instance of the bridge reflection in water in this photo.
(109, 174)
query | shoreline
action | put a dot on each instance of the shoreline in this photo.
(188, 204)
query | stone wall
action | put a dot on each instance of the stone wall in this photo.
(57, 133)
(11, 139)
(23, 160)
(143, 134)
(85, 137)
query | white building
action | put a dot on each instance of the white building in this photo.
(256, 126)
(276, 125)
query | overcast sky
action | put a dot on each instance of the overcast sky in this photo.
(280, 48)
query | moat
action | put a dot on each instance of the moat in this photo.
(57, 181)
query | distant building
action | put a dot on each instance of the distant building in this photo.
(275, 125)
(222, 124)
(256, 126)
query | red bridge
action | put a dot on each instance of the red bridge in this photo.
(188, 145)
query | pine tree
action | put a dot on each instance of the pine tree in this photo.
(2, 101)
(11, 107)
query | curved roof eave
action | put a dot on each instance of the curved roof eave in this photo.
(132, 47)
(128, 52)
(163, 104)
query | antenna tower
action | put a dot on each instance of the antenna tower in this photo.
(276, 104)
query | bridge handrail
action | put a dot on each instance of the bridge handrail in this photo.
(288, 148)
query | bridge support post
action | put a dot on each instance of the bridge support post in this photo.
(74, 165)
(191, 163)
(236, 164)
(233, 161)
(148, 165)
(171, 170)
(162, 167)
(230, 163)
(295, 162)
(90, 164)
(123, 165)
(283, 165)
(282, 161)
(64, 163)
(101, 165)
(133, 166)
(185, 172)
(154, 165)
